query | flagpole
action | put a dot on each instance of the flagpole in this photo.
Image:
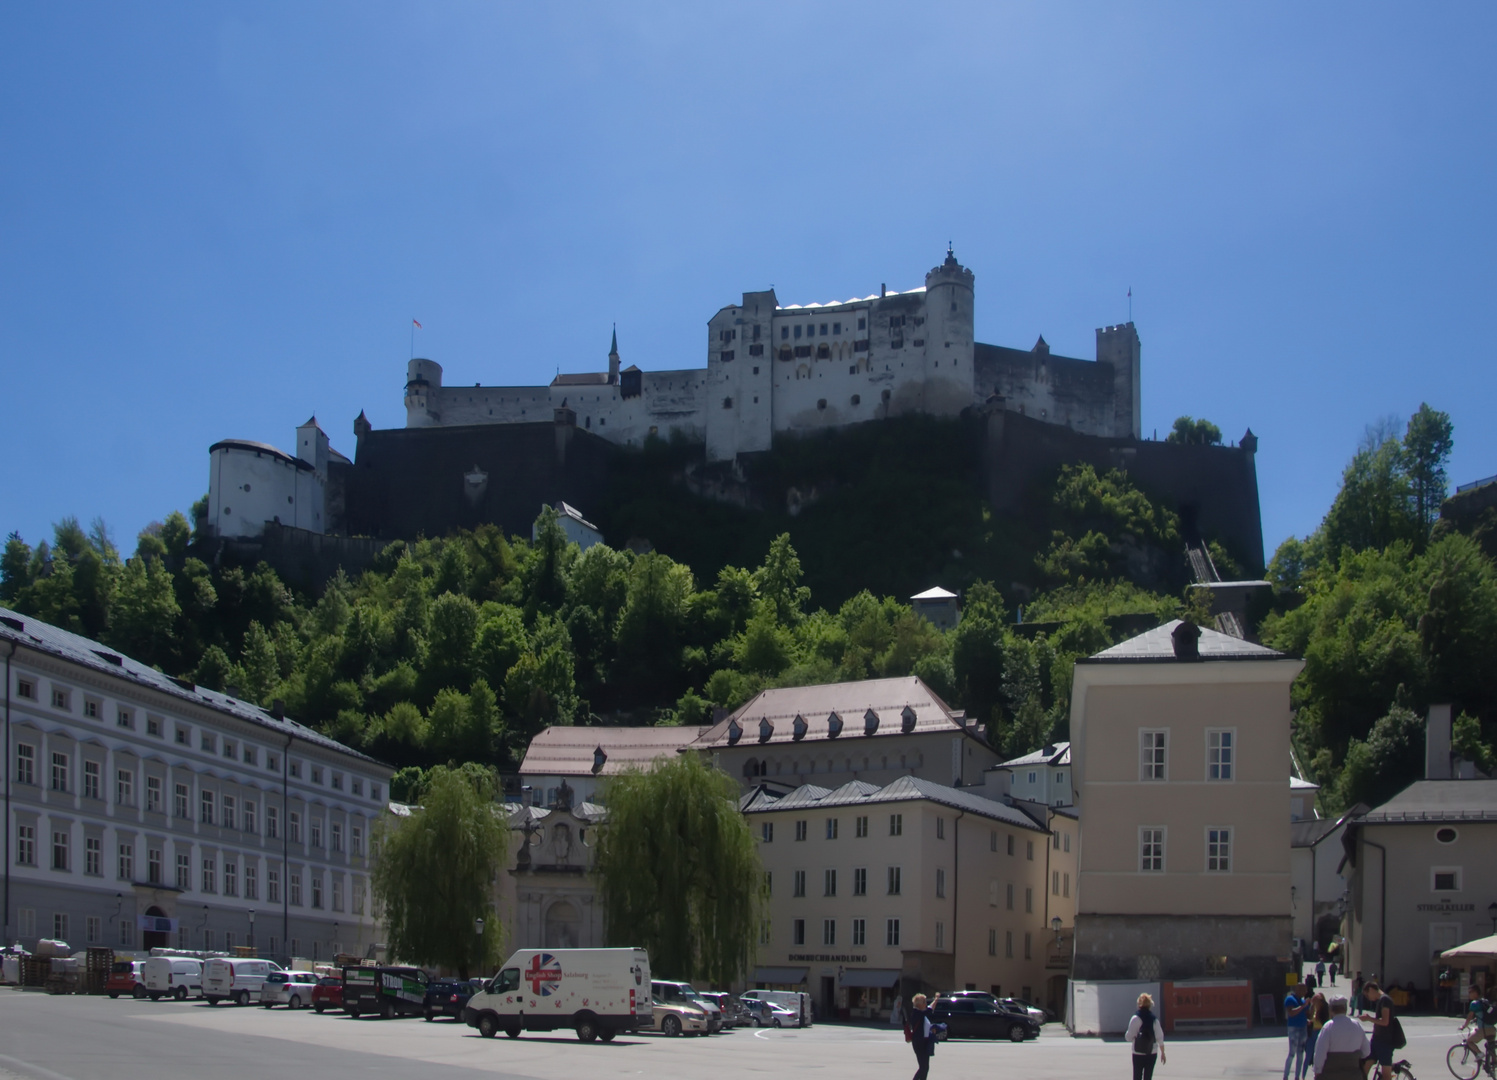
(413, 337)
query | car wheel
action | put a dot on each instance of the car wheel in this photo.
(587, 1029)
(512, 1032)
(241, 998)
(138, 992)
(428, 1015)
(387, 1011)
(607, 1034)
(317, 1007)
(488, 1027)
(154, 996)
(353, 1014)
(777, 1022)
(181, 993)
(114, 995)
(295, 1002)
(1016, 1033)
(671, 1026)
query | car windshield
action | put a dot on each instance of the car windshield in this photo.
(329, 981)
(276, 977)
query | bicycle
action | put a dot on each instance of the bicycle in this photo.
(1464, 1062)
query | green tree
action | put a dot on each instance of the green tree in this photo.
(1374, 507)
(257, 660)
(778, 581)
(679, 870)
(435, 870)
(1426, 448)
(145, 612)
(1389, 760)
(15, 568)
(1194, 432)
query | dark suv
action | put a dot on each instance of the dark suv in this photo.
(979, 1017)
(447, 997)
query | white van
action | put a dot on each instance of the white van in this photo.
(236, 979)
(796, 1001)
(172, 976)
(599, 992)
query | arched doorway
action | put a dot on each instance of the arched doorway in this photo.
(155, 939)
(563, 926)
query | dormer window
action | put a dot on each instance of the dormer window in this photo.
(600, 758)
(907, 719)
(870, 722)
(833, 726)
(766, 729)
(735, 732)
(798, 727)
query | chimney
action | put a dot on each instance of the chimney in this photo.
(278, 709)
(883, 290)
(1187, 641)
(1437, 744)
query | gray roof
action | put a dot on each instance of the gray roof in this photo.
(1310, 831)
(1439, 800)
(1158, 646)
(32, 633)
(1054, 754)
(905, 789)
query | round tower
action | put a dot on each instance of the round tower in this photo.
(423, 383)
(948, 337)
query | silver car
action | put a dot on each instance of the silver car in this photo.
(292, 989)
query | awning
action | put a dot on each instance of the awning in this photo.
(882, 978)
(1486, 946)
(790, 975)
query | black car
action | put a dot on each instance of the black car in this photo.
(974, 1018)
(447, 997)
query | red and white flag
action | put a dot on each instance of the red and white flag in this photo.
(417, 325)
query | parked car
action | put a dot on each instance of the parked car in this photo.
(385, 991)
(677, 1018)
(235, 978)
(671, 992)
(172, 976)
(1027, 1008)
(125, 978)
(769, 1014)
(447, 997)
(973, 1018)
(796, 1001)
(735, 1014)
(328, 993)
(292, 989)
(596, 992)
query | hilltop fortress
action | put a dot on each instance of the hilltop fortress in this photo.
(773, 370)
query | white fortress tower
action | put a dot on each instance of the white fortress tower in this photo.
(252, 484)
(775, 369)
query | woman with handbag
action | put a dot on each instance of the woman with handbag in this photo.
(919, 1022)
(1146, 1036)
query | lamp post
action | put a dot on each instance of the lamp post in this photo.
(1056, 924)
(478, 929)
(252, 928)
(204, 927)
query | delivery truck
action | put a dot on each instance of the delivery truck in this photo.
(596, 992)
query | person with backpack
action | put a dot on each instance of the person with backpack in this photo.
(1320, 971)
(918, 1025)
(1387, 1032)
(1297, 1024)
(1146, 1035)
(1481, 1018)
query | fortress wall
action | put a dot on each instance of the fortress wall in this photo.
(459, 405)
(1059, 390)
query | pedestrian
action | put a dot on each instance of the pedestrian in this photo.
(1385, 1029)
(1333, 970)
(1310, 983)
(896, 1014)
(1341, 1046)
(922, 1039)
(1481, 1018)
(1320, 971)
(1147, 1037)
(1295, 1021)
(1356, 990)
(1319, 1013)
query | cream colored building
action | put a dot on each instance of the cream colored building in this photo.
(567, 766)
(1180, 749)
(873, 731)
(548, 897)
(910, 886)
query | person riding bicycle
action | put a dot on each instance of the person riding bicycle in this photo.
(1481, 1018)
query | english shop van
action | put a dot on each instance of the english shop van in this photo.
(597, 992)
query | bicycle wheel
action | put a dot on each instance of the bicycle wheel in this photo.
(1462, 1062)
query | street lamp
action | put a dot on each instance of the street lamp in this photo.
(478, 929)
(1056, 924)
(252, 928)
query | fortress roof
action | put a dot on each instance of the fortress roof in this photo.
(583, 378)
(845, 303)
(259, 448)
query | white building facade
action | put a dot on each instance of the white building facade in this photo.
(144, 811)
(251, 484)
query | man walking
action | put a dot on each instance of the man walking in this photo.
(1295, 1021)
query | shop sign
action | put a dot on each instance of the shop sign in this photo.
(828, 958)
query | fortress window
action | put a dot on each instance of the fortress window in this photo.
(756, 350)
(756, 331)
(857, 399)
(803, 350)
(727, 403)
(823, 329)
(836, 328)
(246, 487)
(797, 331)
(821, 403)
(756, 371)
(785, 353)
(852, 369)
(784, 332)
(823, 352)
(860, 346)
(288, 498)
(919, 342)
(728, 354)
(919, 320)
(862, 324)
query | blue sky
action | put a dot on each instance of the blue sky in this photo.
(217, 219)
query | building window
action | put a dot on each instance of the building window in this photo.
(860, 826)
(249, 816)
(184, 872)
(1445, 879)
(1151, 849)
(26, 688)
(60, 927)
(1219, 850)
(829, 931)
(766, 832)
(295, 768)
(337, 894)
(800, 830)
(93, 856)
(1221, 748)
(1151, 754)
(293, 826)
(153, 726)
(127, 934)
(860, 932)
(229, 751)
(247, 755)
(315, 828)
(798, 932)
(894, 880)
(124, 788)
(1008, 944)
(940, 828)
(1028, 945)
(1055, 841)
(90, 709)
(60, 849)
(127, 862)
(940, 935)
(231, 878)
(1010, 896)
(993, 840)
(940, 883)
(124, 718)
(798, 886)
(25, 763)
(59, 699)
(229, 807)
(358, 902)
(251, 882)
(831, 828)
(153, 794)
(337, 836)
(272, 822)
(59, 771)
(1068, 841)
(1054, 882)
(1065, 884)
(153, 866)
(91, 771)
(316, 774)
(992, 943)
(891, 932)
(206, 798)
(896, 824)
(860, 881)
(317, 890)
(182, 736)
(209, 875)
(296, 889)
(356, 786)
(206, 741)
(1029, 850)
(1029, 900)
(829, 883)
(356, 839)
(179, 801)
(26, 845)
(1010, 843)
(273, 886)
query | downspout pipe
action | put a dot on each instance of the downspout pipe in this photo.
(956, 881)
(1382, 910)
(14, 645)
(286, 850)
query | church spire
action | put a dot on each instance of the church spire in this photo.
(613, 358)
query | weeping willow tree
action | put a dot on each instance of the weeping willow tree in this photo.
(434, 872)
(679, 871)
